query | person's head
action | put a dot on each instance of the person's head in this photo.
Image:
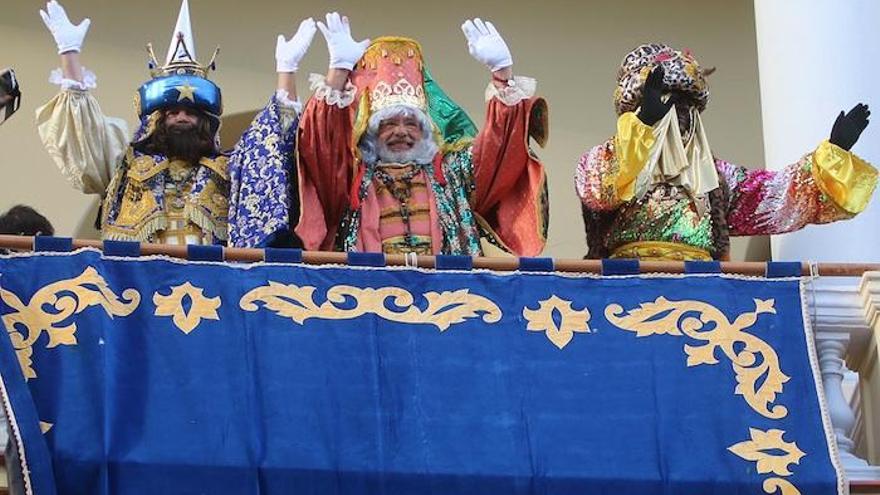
(684, 81)
(182, 133)
(24, 220)
(398, 134)
(10, 94)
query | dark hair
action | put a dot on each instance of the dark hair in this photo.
(24, 220)
(190, 146)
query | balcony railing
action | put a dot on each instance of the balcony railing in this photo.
(844, 306)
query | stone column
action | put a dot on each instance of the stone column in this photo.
(816, 58)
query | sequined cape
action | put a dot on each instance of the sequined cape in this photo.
(824, 186)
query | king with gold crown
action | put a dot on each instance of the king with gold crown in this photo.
(389, 163)
(171, 183)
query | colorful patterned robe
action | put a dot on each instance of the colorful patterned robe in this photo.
(824, 186)
(493, 188)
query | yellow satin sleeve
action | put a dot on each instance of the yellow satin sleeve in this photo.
(84, 143)
(632, 145)
(845, 178)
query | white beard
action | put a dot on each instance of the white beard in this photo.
(422, 152)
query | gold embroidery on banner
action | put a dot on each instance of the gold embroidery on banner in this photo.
(571, 321)
(771, 454)
(443, 310)
(66, 298)
(758, 380)
(45, 427)
(783, 486)
(201, 307)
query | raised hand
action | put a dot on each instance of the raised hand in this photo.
(68, 37)
(848, 127)
(653, 108)
(288, 54)
(486, 45)
(344, 50)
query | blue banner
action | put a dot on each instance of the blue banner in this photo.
(138, 375)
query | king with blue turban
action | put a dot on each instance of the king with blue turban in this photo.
(171, 183)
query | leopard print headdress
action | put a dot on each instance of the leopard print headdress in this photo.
(681, 72)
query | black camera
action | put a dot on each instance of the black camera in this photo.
(10, 94)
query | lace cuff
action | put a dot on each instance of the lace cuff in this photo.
(340, 98)
(518, 89)
(284, 101)
(90, 81)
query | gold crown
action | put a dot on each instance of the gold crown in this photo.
(402, 92)
(181, 65)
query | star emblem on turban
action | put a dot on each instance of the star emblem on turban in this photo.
(186, 93)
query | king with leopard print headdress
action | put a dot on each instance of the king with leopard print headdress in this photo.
(655, 191)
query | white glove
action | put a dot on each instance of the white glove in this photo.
(486, 45)
(344, 50)
(68, 37)
(288, 54)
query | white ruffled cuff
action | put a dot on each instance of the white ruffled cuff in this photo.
(284, 101)
(518, 89)
(90, 81)
(340, 98)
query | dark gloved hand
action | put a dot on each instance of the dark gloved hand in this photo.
(653, 109)
(848, 127)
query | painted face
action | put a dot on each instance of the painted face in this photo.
(181, 118)
(685, 106)
(400, 133)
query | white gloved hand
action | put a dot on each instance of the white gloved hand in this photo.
(344, 50)
(68, 37)
(288, 54)
(486, 45)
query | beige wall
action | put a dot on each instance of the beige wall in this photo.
(573, 48)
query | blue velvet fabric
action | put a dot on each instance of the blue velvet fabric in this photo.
(620, 266)
(702, 267)
(46, 243)
(204, 253)
(776, 269)
(536, 264)
(454, 262)
(122, 248)
(283, 255)
(336, 380)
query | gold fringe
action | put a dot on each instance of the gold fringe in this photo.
(207, 223)
(143, 233)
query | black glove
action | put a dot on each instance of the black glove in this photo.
(653, 109)
(847, 128)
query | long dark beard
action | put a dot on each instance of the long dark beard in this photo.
(189, 144)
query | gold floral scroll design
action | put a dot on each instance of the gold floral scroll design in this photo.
(443, 310)
(571, 321)
(51, 305)
(771, 454)
(201, 307)
(756, 364)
